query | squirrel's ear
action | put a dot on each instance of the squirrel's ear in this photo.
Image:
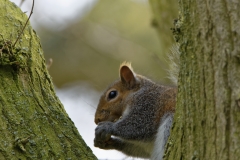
(127, 75)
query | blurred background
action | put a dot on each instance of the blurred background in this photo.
(88, 40)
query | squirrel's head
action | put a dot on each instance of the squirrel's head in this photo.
(114, 100)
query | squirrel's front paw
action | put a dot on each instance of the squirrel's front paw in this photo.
(103, 135)
(104, 144)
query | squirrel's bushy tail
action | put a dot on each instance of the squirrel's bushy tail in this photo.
(174, 60)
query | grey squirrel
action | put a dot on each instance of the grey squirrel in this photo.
(135, 115)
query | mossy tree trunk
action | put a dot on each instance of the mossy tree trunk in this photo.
(207, 120)
(34, 124)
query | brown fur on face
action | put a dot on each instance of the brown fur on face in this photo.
(112, 109)
(109, 110)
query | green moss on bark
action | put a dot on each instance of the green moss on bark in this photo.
(206, 122)
(29, 109)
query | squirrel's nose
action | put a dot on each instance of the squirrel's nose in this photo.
(97, 120)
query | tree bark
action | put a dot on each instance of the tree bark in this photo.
(207, 120)
(34, 124)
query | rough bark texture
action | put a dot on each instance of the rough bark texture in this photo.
(207, 120)
(34, 124)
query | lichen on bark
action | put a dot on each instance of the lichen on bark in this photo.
(206, 122)
(34, 123)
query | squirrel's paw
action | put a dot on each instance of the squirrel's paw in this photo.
(103, 135)
(104, 144)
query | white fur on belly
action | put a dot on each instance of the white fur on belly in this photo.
(162, 136)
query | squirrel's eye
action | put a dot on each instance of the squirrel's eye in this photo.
(112, 94)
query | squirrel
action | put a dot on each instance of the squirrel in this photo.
(135, 115)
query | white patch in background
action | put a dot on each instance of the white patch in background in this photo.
(56, 14)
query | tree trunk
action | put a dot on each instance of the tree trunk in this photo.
(34, 124)
(207, 120)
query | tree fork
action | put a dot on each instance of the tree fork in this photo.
(34, 124)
